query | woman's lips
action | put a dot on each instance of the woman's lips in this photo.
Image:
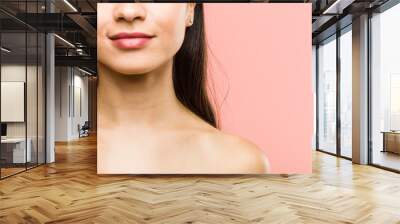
(131, 40)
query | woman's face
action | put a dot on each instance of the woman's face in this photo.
(136, 38)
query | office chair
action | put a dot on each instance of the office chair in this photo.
(84, 130)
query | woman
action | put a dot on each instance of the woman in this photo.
(154, 115)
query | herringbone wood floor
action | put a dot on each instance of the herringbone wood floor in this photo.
(69, 191)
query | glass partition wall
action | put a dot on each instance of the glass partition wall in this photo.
(334, 93)
(22, 88)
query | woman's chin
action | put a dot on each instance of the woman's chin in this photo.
(131, 70)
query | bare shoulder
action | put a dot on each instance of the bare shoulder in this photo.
(238, 154)
(248, 156)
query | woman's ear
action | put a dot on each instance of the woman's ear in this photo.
(190, 14)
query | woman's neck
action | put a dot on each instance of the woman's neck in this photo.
(142, 99)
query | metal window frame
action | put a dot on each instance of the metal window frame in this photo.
(337, 35)
(387, 5)
(381, 9)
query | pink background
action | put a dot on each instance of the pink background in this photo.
(260, 60)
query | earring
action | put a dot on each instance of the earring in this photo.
(191, 21)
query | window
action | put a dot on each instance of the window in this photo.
(385, 88)
(327, 95)
(346, 92)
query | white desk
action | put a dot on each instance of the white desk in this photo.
(19, 155)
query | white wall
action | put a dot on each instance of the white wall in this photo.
(17, 73)
(80, 110)
(33, 127)
(12, 101)
(62, 81)
(71, 94)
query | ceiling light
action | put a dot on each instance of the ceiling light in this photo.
(64, 40)
(84, 71)
(5, 50)
(337, 7)
(70, 5)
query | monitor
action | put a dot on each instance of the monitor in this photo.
(3, 129)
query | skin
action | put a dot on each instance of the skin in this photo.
(143, 128)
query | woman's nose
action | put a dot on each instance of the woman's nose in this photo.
(129, 12)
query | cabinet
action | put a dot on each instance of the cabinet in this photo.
(391, 142)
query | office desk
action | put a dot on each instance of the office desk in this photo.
(391, 141)
(13, 150)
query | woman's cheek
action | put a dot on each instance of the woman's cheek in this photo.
(174, 36)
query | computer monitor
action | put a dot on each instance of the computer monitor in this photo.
(3, 129)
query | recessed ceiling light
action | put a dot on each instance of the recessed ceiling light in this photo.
(5, 50)
(70, 5)
(84, 71)
(337, 7)
(64, 40)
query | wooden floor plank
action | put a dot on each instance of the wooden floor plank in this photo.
(70, 191)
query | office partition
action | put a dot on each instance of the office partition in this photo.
(22, 77)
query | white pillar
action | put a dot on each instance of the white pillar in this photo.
(360, 90)
(50, 92)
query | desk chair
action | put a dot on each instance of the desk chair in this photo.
(84, 130)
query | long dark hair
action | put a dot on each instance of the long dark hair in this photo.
(190, 70)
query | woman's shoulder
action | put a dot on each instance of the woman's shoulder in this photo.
(238, 154)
